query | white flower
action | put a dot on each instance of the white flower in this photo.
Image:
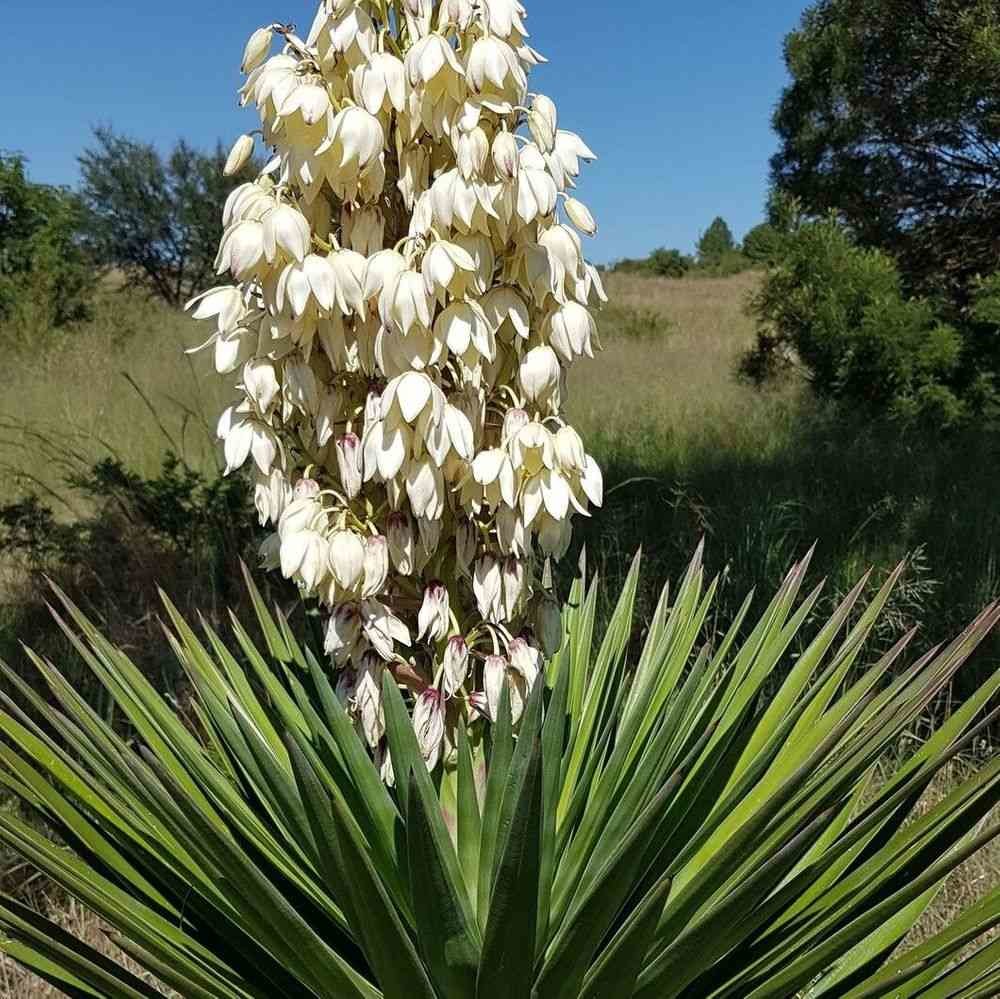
(434, 621)
(368, 700)
(382, 628)
(539, 374)
(346, 555)
(303, 554)
(578, 213)
(405, 302)
(494, 677)
(343, 632)
(542, 122)
(380, 83)
(400, 539)
(239, 155)
(493, 67)
(285, 228)
(257, 48)
(307, 281)
(455, 666)
(428, 723)
(571, 330)
(348, 450)
(526, 660)
(447, 270)
(488, 588)
(376, 565)
(569, 449)
(505, 156)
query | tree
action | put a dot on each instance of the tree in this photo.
(762, 244)
(715, 242)
(840, 312)
(668, 263)
(46, 277)
(155, 218)
(892, 120)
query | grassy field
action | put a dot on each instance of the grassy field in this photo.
(688, 453)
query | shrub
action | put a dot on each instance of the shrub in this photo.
(762, 244)
(660, 831)
(839, 312)
(46, 278)
(715, 242)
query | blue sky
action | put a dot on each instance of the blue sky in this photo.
(674, 97)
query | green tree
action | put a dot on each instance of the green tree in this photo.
(668, 263)
(46, 278)
(762, 244)
(716, 241)
(154, 218)
(892, 119)
(841, 313)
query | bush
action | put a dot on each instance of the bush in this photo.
(839, 312)
(661, 831)
(46, 278)
(762, 244)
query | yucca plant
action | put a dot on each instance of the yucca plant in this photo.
(652, 827)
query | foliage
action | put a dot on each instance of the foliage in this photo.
(762, 244)
(657, 831)
(46, 278)
(892, 119)
(715, 242)
(841, 312)
(660, 263)
(155, 218)
(176, 528)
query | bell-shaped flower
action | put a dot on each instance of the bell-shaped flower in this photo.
(346, 555)
(463, 325)
(241, 250)
(304, 283)
(434, 619)
(492, 68)
(564, 160)
(571, 331)
(536, 190)
(448, 269)
(271, 494)
(428, 724)
(455, 667)
(532, 448)
(376, 565)
(425, 488)
(399, 534)
(348, 450)
(526, 659)
(245, 436)
(349, 270)
(491, 480)
(303, 555)
(352, 34)
(368, 700)
(479, 246)
(380, 270)
(539, 374)
(260, 381)
(411, 395)
(472, 149)
(300, 389)
(310, 100)
(543, 120)
(506, 160)
(285, 228)
(405, 302)
(487, 586)
(569, 450)
(380, 84)
(432, 66)
(382, 628)
(343, 632)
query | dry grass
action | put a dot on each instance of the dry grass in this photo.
(683, 379)
(118, 385)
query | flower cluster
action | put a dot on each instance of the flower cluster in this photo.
(409, 291)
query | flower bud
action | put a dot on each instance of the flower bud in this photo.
(368, 699)
(399, 533)
(543, 120)
(513, 585)
(434, 620)
(579, 214)
(505, 157)
(428, 723)
(348, 448)
(376, 565)
(306, 489)
(456, 664)
(343, 632)
(239, 155)
(494, 677)
(257, 48)
(514, 421)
